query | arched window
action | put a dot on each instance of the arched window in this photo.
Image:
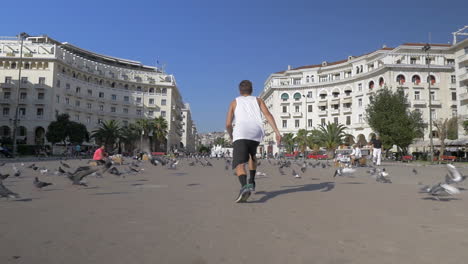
(357, 69)
(400, 79)
(113, 84)
(416, 79)
(164, 91)
(100, 82)
(381, 82)
(297, 96)
(431, 78)
(151, 90)
(284, 96)
(371, 85)
(323, 95)
(126, 86)
(336, 93)
(27, 65)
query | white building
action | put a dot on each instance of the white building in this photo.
(307, 96)
(189, 130)
(59, 77)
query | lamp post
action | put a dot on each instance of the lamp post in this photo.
(21, 37)
(426, 49)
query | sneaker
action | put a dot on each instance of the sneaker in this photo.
(252, 184)
(244, 194)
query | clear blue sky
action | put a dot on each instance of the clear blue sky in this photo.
(211, 46)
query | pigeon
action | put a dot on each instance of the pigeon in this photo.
(44, 171)
(2, 164)
(344, 171)
(173, 165)
(209, 164)
(382, 176)
(454, 175)
(4, 192)
(258, 173)
(16, 171)
(192, 163)
(415, 171)
(324, 165)
(114, 171)
(281, 171)
(441, 189)
(31, 166)
(259, 163)
(82, 172)
(133, 169)
(226, 167)
(3, 176)
(61, 170)
(65, 164)
(294, 173)
(40, 184)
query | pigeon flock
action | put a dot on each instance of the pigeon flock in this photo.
(297, 168)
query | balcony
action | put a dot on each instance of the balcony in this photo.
(464, 97)
(7, 85)
(347, 110)
(285, 115)
(419, 102)
(322, 112)
(435, 102)
(462, 58)
(335, 111)
(297, 114)
(39, 86)
(39, 101)
(464, 76)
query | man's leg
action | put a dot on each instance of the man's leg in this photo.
(240, 157)
(379, 156)
(374, 156)
(252, 171)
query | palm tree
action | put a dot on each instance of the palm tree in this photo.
(302, 140)
(331, 136)
(288, 140)
(314, 140)
(128, 136)
(107, 133)
(221, 141)
(145, 127)
(160, 130)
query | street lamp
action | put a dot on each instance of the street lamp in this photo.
(21, 37)
(426, 49)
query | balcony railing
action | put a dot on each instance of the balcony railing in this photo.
(322, 112)
(297, 114)
(464, 97)
(347, 110)
(335, 111)
(285, 114)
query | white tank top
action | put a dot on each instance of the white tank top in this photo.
(247, 119)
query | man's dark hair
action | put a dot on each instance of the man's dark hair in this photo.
(245, 87)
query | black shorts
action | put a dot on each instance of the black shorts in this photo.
(100, 162)
(243, 149)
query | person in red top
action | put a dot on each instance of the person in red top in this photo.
(100, 155)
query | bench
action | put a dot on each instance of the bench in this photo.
(448, 158)
(407, 158)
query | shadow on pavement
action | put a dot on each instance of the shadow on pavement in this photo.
(324, 186)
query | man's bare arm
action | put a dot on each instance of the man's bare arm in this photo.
(270, 119)
(230, 117)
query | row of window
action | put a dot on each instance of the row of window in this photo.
(26, 65)
(110, 83)
(24, 80)
(22, 111)
(23, 95)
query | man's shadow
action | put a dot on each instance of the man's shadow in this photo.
(324, 186)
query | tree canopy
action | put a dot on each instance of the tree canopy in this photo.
(388, 114)
(63, 130)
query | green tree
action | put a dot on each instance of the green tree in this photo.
(331, 136)
(452, 128)
(441, 126)
(107, 134)
(145, 128)
(221, 141)
(128, 136)
(288, 141)
(465, 126)
(62, 129)
(388, 114)
(160, 132)
(302, 140)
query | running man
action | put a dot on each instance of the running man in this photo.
(246, 114)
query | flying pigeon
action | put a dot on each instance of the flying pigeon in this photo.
(84, 171)
(43, 171)
(31, 166)
(65, 164)
(441, 189)
(40, 184)
(454, 175)
(4, 192)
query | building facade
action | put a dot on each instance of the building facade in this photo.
(189, 130)
(60, 78)
(307, 96)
